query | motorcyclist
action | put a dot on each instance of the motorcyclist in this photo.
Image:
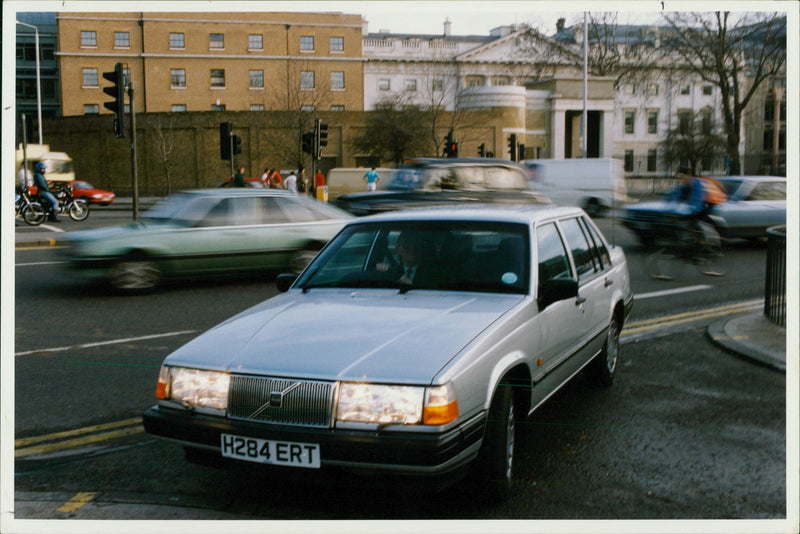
(44, 191)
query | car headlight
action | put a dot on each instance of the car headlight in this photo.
(403, 405)
(193, 388)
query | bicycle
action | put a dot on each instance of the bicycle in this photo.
(681, 245)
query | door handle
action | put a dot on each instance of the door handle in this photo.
(579, 300)
(608, 282)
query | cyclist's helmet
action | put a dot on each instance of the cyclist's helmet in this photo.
(41, 167)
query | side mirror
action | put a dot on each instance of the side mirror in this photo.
(552, 291)
(285, 281)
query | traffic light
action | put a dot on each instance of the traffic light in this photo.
(522, 155)
(450, 145)
(117, 91)
(482, 150)
(454, 149)
(308, 143)
(321, 137)
(237, 145)
(225, 140)
(512, 146)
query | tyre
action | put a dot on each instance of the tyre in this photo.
(34, 214)
(135, 274)
(662, 265)
(496, 458)
(78, 210)
(604, 366)
(594, 208)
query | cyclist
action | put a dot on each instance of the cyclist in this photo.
(699, 195)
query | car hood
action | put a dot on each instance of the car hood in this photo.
(333, 334)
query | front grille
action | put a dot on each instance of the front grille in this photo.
(281, 400)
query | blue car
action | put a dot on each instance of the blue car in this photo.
(754, 204)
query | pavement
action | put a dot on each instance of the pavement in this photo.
(752, 335)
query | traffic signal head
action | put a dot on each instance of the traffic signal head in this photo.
(117, 91)
(308, 142)
(512, 146)
(321, 138)
(482, 150)
(237, 145)
(225, 140)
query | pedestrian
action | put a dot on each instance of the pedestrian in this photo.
(275, 179)
(265, 177)
(319, 180)
(372, 178)
(44, 191)
(24, 177)
(302, 182)
(290, 184)
(238, 179)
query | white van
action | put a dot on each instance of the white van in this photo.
(59, 164)
(594, 184)
(342, 180)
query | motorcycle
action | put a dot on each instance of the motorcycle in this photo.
(78, 209)
(32, 212)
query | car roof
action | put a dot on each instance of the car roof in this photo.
(517, 213)
(227, 192)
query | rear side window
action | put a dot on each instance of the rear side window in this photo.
(768, 191)
(598, 246)
(553, 262)
(586, 264)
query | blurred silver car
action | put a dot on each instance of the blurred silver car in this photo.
(754, 204)
(361, 365)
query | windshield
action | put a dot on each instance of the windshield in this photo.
(438, 255)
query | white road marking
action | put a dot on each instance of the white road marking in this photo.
(677, 290)
(101, 343)
(39, 263)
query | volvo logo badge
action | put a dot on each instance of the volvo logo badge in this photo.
(275, 399)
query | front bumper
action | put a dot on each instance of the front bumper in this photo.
(375, 451)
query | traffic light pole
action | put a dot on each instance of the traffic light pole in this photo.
(134, 178)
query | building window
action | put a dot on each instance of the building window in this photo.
(255, 42)
(122, 40)
(630, 117)
(629, 161)
(384, 85)
(337, 81)
(91, 109)
(337, 108)
(652, 160)
(308, 107)
(216, 41)
(90, 77)
(684, 122)
(217, 77)
(707, 123)
(178, 108)
(256, 79)
(176, 40)
(89, 38)
(256, 107)
(437, 84)
(337, 44)
(177, 78)
(708, 90)
(217, 107)
(652, 89)
(652, 122)
(629, 89)
(411, 85)
(686, 89)
(306, 43)
(307, 80)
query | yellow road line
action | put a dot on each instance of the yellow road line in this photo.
(78, 501)
(688, 317)
(24, 442)
(77, 442)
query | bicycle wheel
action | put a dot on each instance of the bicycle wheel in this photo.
(662, 264)
(709, 255)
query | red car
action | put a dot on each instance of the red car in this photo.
(91, 194)
(83, 190)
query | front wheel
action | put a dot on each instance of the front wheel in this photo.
(135, 274)
(78, 210)
(496, 458)
(34, 214)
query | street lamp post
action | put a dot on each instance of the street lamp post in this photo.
(38, 77)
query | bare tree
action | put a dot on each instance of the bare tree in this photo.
(165, 144)
(693, 142)
(394, 131)
(736, 53)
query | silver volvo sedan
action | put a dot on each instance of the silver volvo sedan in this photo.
(410, 345)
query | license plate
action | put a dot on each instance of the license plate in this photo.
(264, 451)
